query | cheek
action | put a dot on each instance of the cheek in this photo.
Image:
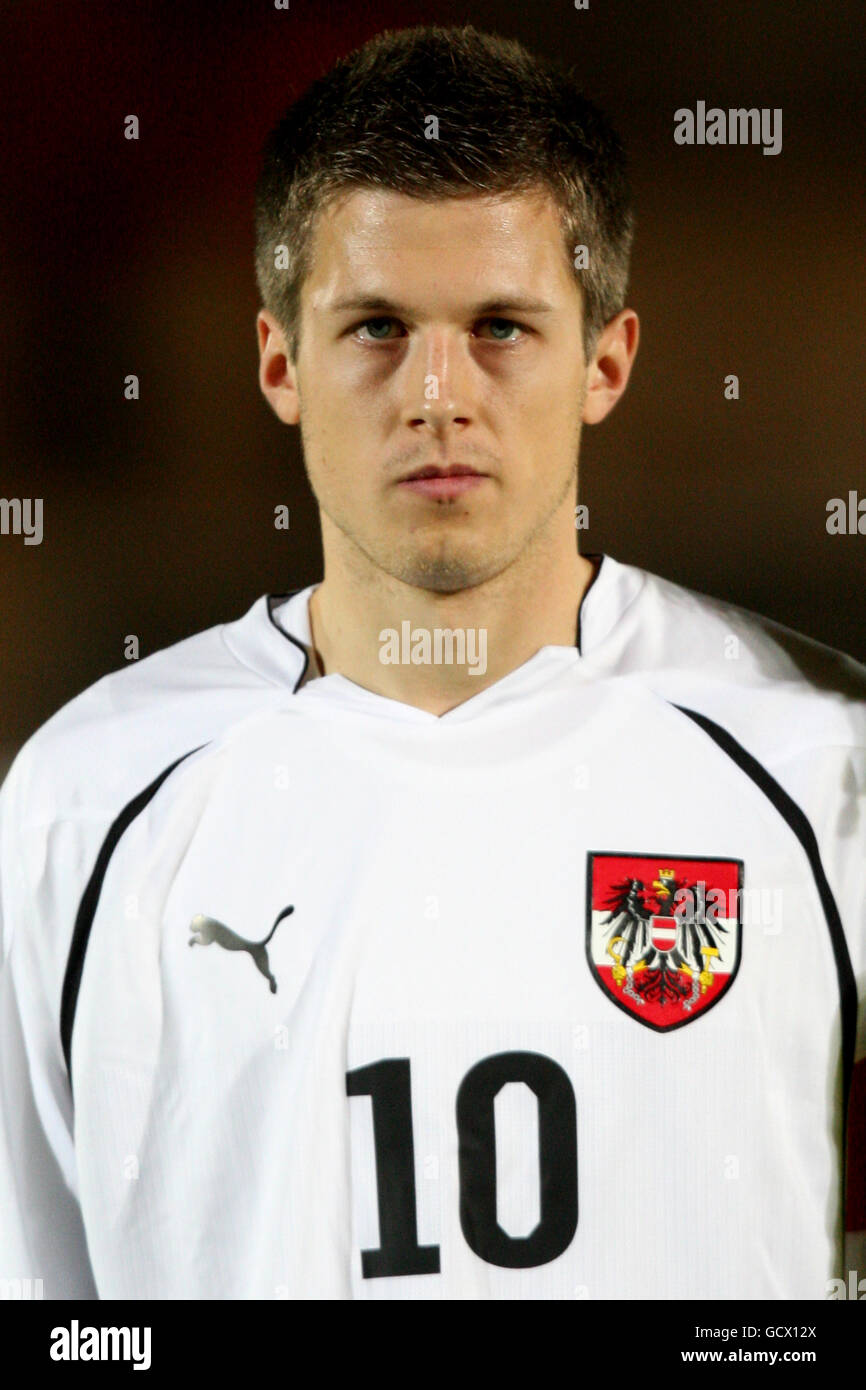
(346, 402)
(335, 455)
(558, 396)
(539, 395)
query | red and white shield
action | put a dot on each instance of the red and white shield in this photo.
(663, 933)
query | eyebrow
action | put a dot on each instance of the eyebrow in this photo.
(502, 304)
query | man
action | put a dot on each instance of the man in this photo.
(484, 920)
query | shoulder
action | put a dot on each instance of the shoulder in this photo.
(770, 682)
(751, 646)
(114, 737)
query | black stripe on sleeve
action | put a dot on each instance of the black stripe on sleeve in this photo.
(802, 828)
(89, 903)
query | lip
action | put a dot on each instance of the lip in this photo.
(444, 485)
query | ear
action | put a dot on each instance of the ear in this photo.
(608, 373)
(277, 373)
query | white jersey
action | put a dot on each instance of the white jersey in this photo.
(551, 996)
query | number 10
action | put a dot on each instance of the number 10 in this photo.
(388, 1083)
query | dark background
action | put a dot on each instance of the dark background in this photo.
(123, 257)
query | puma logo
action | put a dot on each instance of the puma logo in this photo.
(207, 929)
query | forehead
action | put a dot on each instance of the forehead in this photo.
(408, 243)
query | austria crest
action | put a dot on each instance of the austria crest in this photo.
(663, 934)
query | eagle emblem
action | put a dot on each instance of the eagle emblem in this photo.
(664, 933)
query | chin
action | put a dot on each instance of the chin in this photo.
(444, 574)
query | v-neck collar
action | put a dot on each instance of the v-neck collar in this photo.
(536, 671)
(274, 639)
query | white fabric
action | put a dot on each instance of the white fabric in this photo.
(437, 868)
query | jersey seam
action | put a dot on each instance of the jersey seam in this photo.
(242, 661)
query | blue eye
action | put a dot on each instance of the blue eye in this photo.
(378, 329)
(506, 323)
(381, 322)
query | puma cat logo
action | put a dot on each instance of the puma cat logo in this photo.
(207, 929)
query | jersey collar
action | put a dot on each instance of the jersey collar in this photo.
(273, 637)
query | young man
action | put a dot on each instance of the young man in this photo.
(484, 920)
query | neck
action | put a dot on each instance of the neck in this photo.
(503, 622)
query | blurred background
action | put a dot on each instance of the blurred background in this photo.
(137, 257)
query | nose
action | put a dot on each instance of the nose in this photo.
(438, 390)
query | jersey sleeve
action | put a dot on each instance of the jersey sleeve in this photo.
(41, 1231)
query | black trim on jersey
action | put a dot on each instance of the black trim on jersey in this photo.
(273, 600)
(89, 903)
(802, 828)
(600, 559)
(90, 898)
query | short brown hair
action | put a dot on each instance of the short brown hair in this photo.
(509, 122)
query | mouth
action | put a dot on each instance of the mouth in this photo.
(433, 470)
(434, 481)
